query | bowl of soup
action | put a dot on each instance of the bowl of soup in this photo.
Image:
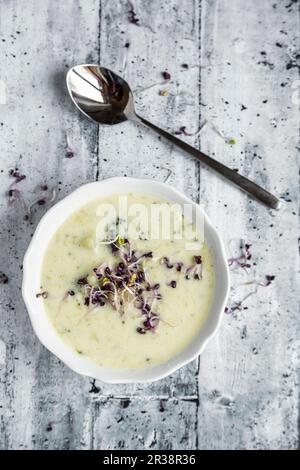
(125, 280)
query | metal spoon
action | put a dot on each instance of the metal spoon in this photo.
(106, 98)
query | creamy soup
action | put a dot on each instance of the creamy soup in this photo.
(126, 300)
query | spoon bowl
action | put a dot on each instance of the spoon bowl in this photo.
(100, 94)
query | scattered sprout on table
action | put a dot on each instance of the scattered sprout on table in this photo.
(166, 75)
(3, 278)
(132, 17)
(182, 131)
(242, 260)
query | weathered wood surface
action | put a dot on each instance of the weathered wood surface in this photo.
(243, 60)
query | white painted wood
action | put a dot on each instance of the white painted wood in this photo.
(133, 151)
(248, 374)
(145, 424)
(239, 54)
(41, 42)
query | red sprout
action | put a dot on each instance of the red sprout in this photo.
(269, 279)
(41, 201)
(195, 270)
(123, 284)
(132, 18)
(14, 194)
(3, 278)
(267, 282)
(141, 331)
(182, 131)
(17, 175)
(244, 258)
(151, 322)
(179, 266)
(69, 153)
(238, 305)
(166, 75)
(172, 284)
(166, 262)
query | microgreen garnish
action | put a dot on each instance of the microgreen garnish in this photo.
(166, 262)
(195, 270)
(179, 266)
(172, 284)
(191, 272)
(17, 175)
(141, 331)
(123, 285)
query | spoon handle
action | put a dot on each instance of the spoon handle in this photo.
(244, 183)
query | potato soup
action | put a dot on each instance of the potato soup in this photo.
(127, 299)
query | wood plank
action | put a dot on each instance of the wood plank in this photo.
(181, 384)
(133, 151)
(145, 424)
(39, 43)
(248, 375)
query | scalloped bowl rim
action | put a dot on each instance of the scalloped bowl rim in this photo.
(34, 256)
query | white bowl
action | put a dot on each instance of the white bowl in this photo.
(32, 275)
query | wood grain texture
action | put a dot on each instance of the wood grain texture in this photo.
(243, 62)
(248, 374)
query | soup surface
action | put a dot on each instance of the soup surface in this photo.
(127, 300)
